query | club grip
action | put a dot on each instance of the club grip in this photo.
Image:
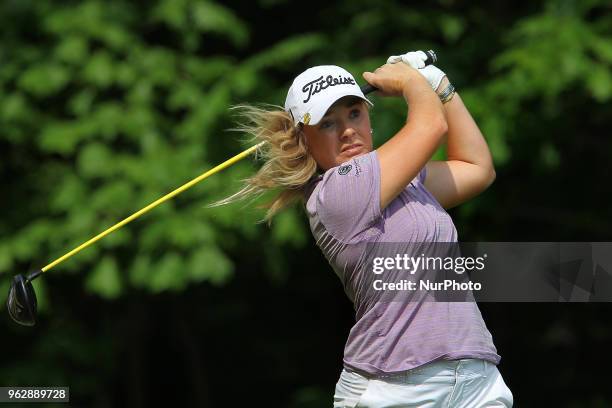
(431, 59)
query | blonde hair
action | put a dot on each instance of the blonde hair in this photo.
(288, 166)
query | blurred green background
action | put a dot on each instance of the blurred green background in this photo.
(107, 105)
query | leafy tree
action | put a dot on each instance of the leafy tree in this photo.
(106, 106)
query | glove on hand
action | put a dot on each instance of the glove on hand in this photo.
(416, 59)
(433, 74)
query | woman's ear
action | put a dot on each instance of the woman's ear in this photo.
(302, 135)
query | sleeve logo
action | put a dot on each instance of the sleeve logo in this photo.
(344, 169)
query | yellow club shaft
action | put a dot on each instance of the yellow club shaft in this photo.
(154, 204)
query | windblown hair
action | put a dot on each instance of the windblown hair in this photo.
(287, 164)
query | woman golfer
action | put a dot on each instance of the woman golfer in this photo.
(319, 149)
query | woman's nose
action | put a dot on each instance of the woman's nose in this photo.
(347, 131)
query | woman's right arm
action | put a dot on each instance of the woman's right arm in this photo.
(403, 156)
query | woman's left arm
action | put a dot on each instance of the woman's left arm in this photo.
(468, 170)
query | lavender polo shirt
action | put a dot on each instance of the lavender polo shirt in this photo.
(343, 207)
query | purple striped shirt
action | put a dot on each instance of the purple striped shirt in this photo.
(343, 206)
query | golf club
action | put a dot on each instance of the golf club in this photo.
(21, 302)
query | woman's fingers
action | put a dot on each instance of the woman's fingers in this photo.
(390, 79)
(416, 59)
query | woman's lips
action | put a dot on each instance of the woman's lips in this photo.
(352, 149)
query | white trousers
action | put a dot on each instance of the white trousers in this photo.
(465, 383)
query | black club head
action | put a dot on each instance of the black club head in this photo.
(21, 302)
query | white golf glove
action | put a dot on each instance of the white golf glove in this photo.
(416, 59)
(433, 75)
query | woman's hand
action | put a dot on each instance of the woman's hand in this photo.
(416, 59)
(392, 79)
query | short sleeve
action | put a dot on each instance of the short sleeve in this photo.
(348, 201)
(422, 175)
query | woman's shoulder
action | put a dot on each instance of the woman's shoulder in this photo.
(341, 176)
(346, 198)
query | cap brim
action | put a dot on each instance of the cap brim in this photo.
(319, 111)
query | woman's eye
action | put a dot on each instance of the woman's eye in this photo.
(355, 113)
(325, 124)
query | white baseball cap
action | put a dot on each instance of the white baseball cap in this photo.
(316, 89)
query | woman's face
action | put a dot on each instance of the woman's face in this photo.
(343, 133)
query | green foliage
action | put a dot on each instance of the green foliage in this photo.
(117, 119)
(542, 62)
(105, 279)
(105, 106)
